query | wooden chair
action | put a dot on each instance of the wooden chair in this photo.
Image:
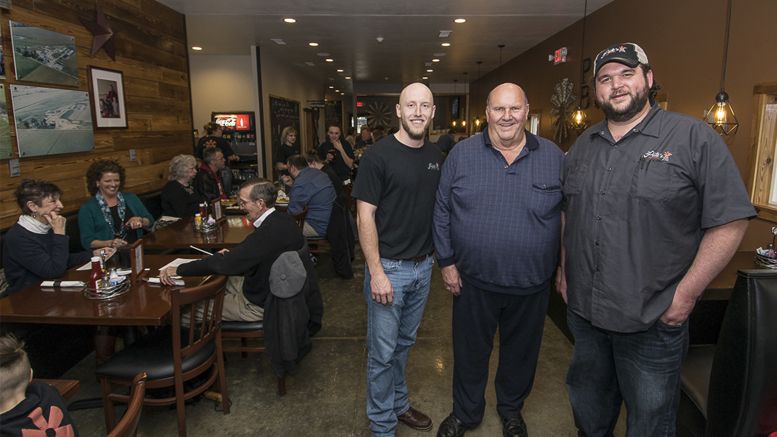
(128, 425)
(195, 351)
(67, 388)
(300, 217)
(245, 331)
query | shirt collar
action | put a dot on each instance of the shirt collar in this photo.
(258, 222)
(531, 141)
(646, 126)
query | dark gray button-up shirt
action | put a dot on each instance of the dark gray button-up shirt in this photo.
(636, 211)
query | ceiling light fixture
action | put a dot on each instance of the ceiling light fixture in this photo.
(329, 60)
(425, 78)
(435, 60)
(721, 115)
(429, 70)
(339, 70)
(579, 119)
(313, 44)
(196, 48)
(446, 44)
(347, 77)
(331, 87)
(289, 20)
(445, 33)
(460, 20)
(337, 91)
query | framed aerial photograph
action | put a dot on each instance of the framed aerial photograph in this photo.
(2, 63)
(6, 150)
(106, 88)
(40, 55)
(50, 121)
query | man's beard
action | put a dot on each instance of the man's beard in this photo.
(418, 135)
(636, 106)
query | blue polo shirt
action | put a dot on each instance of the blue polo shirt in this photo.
(500, 222)
(313, 188)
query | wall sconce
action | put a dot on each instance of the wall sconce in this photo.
(579, 120)
(464, 123)
(454, 123)
(721, 115)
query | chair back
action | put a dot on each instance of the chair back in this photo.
(128, 425)
(744, 370)
(209, 298)
(300, 217)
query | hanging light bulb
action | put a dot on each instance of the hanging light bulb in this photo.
(579, 120)
(721, 115)
(464, 123)
(454, 123)
(477, 122)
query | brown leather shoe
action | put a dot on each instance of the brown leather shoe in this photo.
(416, 420)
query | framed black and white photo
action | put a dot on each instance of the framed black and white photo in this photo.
(106, 88)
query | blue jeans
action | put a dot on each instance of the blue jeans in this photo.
(641, 369)
(391, 330)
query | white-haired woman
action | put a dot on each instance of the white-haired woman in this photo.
(179, 196)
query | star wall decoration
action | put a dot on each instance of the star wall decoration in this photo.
(102, 32)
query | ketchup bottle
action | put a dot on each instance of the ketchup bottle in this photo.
(97, 273)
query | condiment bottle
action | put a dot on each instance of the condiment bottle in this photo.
(203, 210)
(97, 273)
(197, 221)
(770, 249)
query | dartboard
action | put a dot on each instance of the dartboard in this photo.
(378, 114)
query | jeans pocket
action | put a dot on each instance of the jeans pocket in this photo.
(389, 265)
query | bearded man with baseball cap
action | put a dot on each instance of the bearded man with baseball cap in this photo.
(653, 209)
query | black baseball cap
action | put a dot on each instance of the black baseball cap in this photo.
(627, 53)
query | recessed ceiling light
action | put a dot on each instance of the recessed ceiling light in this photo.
(429, 70)
(460, 20)
(331, 87)
(196, 48)
(337, 91)
(342, 94)
(339, 70)
(435, 60)
(446, 44)
(425, 78)
(313, 44)
(289, 20)
(347, 77)
(329, 60)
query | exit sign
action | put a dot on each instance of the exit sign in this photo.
(359, 104)
(560, 56)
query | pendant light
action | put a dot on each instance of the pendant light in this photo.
(579, 119)
(721, 115)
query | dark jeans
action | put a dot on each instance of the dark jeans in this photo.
(641, 369)
(476, 315)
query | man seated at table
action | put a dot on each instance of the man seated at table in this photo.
(275, 234)
(311, 187)
(28, 409)
(208, 180)
(315, 162)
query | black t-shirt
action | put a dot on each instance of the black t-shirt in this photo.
(338, 164)
(402, 182)
(282, 154)
(219, 142)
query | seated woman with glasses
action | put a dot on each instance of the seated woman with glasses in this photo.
(179, 196)
(111, 217)
(36, 247)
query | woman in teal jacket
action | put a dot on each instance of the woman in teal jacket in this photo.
(110, 217)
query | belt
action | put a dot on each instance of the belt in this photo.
(418, 259)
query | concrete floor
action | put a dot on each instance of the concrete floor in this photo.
(326, 394)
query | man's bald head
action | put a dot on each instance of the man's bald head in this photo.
(415, 111)
(508, 87)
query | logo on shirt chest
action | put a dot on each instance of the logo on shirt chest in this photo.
(663, 157)
(433, 166)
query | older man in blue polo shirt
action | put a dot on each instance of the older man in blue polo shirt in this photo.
(497, 225)
(311, 187)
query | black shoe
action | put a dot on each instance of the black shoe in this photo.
(514, 426)
(451, 427)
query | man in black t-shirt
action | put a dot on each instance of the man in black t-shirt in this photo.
(395, 192)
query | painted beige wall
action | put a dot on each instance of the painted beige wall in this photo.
(291, 83)
(684, 41)
(220, 83)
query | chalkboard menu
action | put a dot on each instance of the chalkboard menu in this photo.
(333, 113)
(283, 112)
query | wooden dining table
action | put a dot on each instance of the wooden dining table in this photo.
(231, 231)
(145, 304)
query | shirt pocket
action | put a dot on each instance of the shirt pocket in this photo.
(654, 181)
(574, 182)
(545, 197)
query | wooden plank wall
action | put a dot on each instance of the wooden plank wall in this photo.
(150, 41)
